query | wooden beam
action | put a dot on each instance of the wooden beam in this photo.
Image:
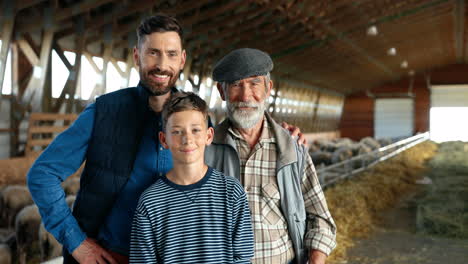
(26, 4)
(300, 18)
(92, 63)
(117, 67)
(128, 70)
(207, 14)
(131, 26)
(35, 89)
(187, 69)
(100, 87)
(6, 35)
(459, 30)
(63, 14)
(61, 55)
(28, 51)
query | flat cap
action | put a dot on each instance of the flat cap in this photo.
(242, 63)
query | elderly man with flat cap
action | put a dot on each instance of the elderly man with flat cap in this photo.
(290, 217)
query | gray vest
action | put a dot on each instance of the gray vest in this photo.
(222, 155)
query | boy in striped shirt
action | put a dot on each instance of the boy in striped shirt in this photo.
(194, 214)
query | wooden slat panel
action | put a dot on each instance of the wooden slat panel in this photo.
(52, 117)
(40, 142)
(41, 132)
(47, 129)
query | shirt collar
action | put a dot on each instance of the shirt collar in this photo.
(265, 137)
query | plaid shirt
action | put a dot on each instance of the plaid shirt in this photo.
(258, 175)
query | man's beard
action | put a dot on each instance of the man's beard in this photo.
(157, 89)
(245, 119)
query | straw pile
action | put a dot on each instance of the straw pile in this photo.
(354, 203)
(444, 210)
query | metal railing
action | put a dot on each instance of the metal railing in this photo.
(338, 171)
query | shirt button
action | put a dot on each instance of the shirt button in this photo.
(161, 148)
(247, 189)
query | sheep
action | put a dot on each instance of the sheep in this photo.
(313, 147)
(341, 154)
(325, 145)
(27, 225)
(370, 142)
(361, 149)
(343, 142)
(71, 185)
(321, 157)
(385, 141)
(5, 254)
(49, 246)
(13, 199)
(70, 200)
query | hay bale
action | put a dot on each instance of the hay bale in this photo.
(372, 191)
(444, 210)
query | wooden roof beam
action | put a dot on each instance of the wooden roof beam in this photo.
(26, 4)
(340, 36)
(63, 14)
(459, 30)
(6, 36)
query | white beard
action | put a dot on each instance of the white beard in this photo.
(245, 119)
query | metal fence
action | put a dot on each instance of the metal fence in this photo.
(338, 171)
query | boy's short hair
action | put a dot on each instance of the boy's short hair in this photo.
(183, 101)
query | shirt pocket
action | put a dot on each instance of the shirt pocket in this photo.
(271, 205)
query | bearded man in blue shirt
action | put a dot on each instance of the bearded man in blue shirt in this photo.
(117, 136)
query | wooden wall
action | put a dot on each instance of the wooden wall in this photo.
(357, 120)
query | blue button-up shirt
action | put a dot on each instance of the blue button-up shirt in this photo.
(65, 155)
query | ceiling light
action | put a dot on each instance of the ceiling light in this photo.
(404, 64)
(372, 31)
(391, 51)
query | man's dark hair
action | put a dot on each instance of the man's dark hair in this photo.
(158, 23)
(183, 101)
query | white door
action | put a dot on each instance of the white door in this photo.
(393, 117)
(449, 113)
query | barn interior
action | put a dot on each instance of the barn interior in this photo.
(345, 72)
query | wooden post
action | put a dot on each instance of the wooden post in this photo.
(7, 30)
(316, 126)
(100, 87)
(35, 89)
(186, 71)
(72, 81)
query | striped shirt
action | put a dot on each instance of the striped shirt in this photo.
(258, 175)
(206, 222)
